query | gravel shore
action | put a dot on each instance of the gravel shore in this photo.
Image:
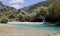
(24, 22)
(24, 31)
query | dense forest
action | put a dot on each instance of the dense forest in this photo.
(50, 12)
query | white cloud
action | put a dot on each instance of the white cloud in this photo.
(16, 6)
(16, 1)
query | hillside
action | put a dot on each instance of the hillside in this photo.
(32, 7)
(4, 8)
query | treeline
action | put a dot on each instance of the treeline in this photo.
(54, 12)
(37, 15)
(50, 14)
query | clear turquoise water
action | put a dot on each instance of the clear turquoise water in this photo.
(41, 26)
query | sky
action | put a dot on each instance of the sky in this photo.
(20, 3)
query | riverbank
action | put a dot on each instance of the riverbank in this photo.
(24, 31)
(24, 22)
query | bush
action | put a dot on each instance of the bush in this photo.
(4, 20)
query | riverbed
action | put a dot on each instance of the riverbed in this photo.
(14, 30)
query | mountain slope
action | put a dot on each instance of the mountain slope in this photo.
(4, 8)
(32, 7)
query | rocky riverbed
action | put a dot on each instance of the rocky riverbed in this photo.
(24, 31)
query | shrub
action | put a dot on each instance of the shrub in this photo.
(3, 20)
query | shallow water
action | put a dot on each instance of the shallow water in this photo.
(44, 27)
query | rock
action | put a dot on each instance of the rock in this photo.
(4, 8)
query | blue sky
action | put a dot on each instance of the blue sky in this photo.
(20, 3)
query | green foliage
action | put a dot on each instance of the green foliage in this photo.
(37, 15)
(3, 20)
(18, 11)
(54, 12)
(41, 13)
(50, 13)
(45, 3)
(30, 17)
(20, 17)
(10, 15)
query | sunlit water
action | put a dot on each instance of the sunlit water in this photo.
(44, 27)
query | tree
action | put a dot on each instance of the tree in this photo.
(54, 12)
(18, 11)
(10, 15)
(41, 13)
(32, 17)
(49, 17)
(0, 14)
(3, 20)
(20, 17)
